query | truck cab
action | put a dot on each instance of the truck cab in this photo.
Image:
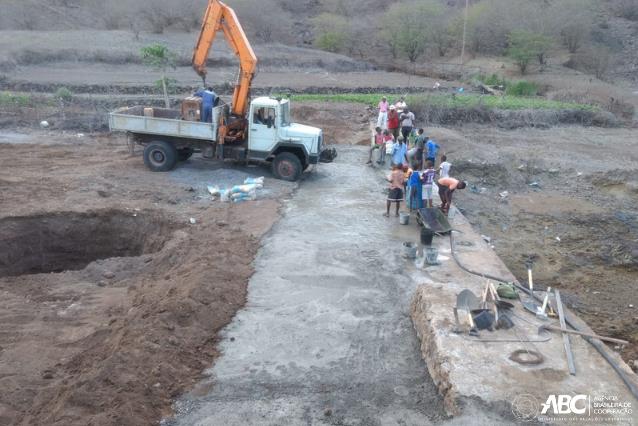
(272, 137)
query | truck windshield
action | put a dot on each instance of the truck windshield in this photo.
(285, 114)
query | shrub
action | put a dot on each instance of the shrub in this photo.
(593, 60)
(493, 80)
(8, 99)
(63, 94)
(522, 88)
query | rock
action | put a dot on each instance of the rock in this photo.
(221, 223)
(108, 275)
(327, 412)
(486, 239)
(173, 340)
(148, 260)
(47, 374)
(101, 283)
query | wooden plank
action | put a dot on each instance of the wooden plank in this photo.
(566, 342)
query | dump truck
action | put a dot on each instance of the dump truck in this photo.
(253, 131)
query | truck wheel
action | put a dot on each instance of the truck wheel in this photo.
(286, 166)
(160, 156)
(184, 154)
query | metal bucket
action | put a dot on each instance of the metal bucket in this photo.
(404, 218)
(431, 255)
(409, 250)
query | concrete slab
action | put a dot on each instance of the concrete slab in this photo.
(325, 336)
(466, 370)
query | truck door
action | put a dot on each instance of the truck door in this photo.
(263, 129)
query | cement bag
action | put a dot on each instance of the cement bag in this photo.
(224, 195)
(256, 181)
(243, 188)
(244, 196)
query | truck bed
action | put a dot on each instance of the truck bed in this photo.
(165, 122)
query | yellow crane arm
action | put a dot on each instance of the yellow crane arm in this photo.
(219, 16)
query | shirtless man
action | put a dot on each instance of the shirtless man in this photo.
(447, 186)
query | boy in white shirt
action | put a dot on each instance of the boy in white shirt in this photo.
(444, 168)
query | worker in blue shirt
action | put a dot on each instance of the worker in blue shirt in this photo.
(432, 149)
(209, 99)
(400, 152)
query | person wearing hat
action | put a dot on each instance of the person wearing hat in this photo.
(393, 121)
(446, 187)
(382, 119)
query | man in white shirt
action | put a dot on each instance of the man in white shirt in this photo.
(401, 106)
(407, 121)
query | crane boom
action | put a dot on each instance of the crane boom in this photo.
(219, 16)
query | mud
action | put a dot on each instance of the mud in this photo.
(111, 297)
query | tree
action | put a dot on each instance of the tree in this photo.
(160, 58)
(573, 21)
(525, 46)
(521, 49)
(332, 32)
(409, 27)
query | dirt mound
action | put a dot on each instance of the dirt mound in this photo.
(513, 119)
(130, 333)
(342, 123)
(128, 319)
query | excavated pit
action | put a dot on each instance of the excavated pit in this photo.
(63, 241)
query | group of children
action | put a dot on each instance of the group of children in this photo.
(417, 186)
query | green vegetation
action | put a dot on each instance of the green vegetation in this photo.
(492, 80)
(63, 94)
(512, 88)
(8, 99)
(410, 27)
(160, 58)
(521, 88)
(524, 46)
(332, 32)
(451, 101)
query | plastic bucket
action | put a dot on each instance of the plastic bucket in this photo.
(409, 250)
(431, 255)
(426, 236)
(404, 218)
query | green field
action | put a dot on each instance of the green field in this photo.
(452, 101)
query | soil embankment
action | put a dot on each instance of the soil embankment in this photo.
(111, 296)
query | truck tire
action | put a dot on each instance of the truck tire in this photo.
(160, 156)
(184, 154)
(286, 166)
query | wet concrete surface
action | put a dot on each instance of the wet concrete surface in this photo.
(325, 336)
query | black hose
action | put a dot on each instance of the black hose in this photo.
(600, 347)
